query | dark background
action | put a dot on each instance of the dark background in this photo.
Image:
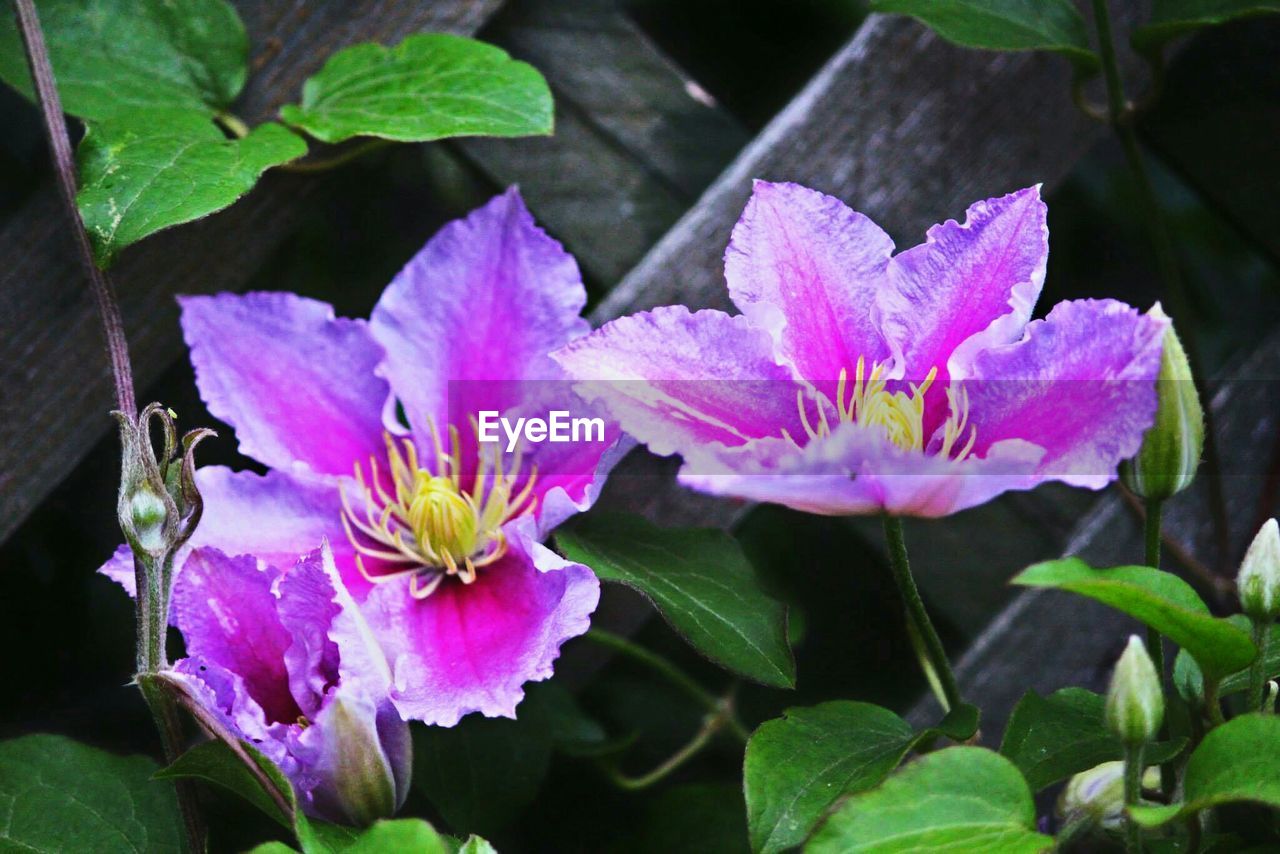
(67, 634)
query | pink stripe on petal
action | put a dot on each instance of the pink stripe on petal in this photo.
(471, 648)
(296, 383)
(968, 287)
(806, 268)
(677, 380)
(476, 311)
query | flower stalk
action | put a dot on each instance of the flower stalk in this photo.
(934, 659)
(144, 511)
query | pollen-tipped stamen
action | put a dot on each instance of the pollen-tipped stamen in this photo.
(900, 413)
(427, 519)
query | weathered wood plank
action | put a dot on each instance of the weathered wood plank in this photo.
(52, 370)
(636, 140)
(1046, 639)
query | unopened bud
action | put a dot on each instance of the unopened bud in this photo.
(368, 753)
(148, 513)
(1096, 796)
(1258, 583)
(1135, 702)
(1170, 453)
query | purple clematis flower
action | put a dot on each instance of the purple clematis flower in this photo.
(370, 431)
(284, 660)
(859, 381)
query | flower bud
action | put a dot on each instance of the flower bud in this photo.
(1096, 796)
(1135, 702)
(364, 756)
(1170, 453)
(1258, 583)
(159, 505)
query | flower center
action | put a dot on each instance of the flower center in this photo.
(427, 518)
(900, 414)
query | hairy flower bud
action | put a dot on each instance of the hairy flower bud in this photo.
(1096, 796)
(159, 505)
(1170, 453)
(1258, 583)
(1135, 702)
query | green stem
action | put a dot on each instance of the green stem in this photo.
(1132, 795)
(917, 617)
(1258, 670)
(324, 164)
(1155, 644)
(1212, 704)
(710, 726)
(1175, 289)
(713, 704)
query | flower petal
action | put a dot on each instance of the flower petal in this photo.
(967, 287)
(1081, 384)
(296, 383)
(468, 648)
(476, 311)
(805, 267)
(226, 611)
(856, 471)
(676, 380)
(306, 607)
(223, 693)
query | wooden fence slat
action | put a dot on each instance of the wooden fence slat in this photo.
(52, 368)
(634, 145)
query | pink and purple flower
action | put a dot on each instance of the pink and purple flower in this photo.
(284, 660)
(859, 381)
(369, 431)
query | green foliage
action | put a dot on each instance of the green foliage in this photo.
(428, 87)
(1170, 18)
(144, 173)
(59, 795)
(215, 762)
(700, 582)
(401, 834)
(798, 765)
(1052, 25)
(1052, 738)
(1189, 681)
(1238, 761)
(1163, 601)
(116, 58)
(959, 799)
(150, 78)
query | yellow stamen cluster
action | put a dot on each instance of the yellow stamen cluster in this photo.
(900, 414)
(428, 520)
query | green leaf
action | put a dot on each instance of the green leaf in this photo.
(1052, 738)
(958, 799)
(1189, 681)
(1170, 18)
(1162, 600)
(798, 765)
(1052, 25)
(59, 795)
(402, 834)
(1238, 761)
(700, 582)
(144, 173)
(430, 86)
(214, 762)
(119, 57)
